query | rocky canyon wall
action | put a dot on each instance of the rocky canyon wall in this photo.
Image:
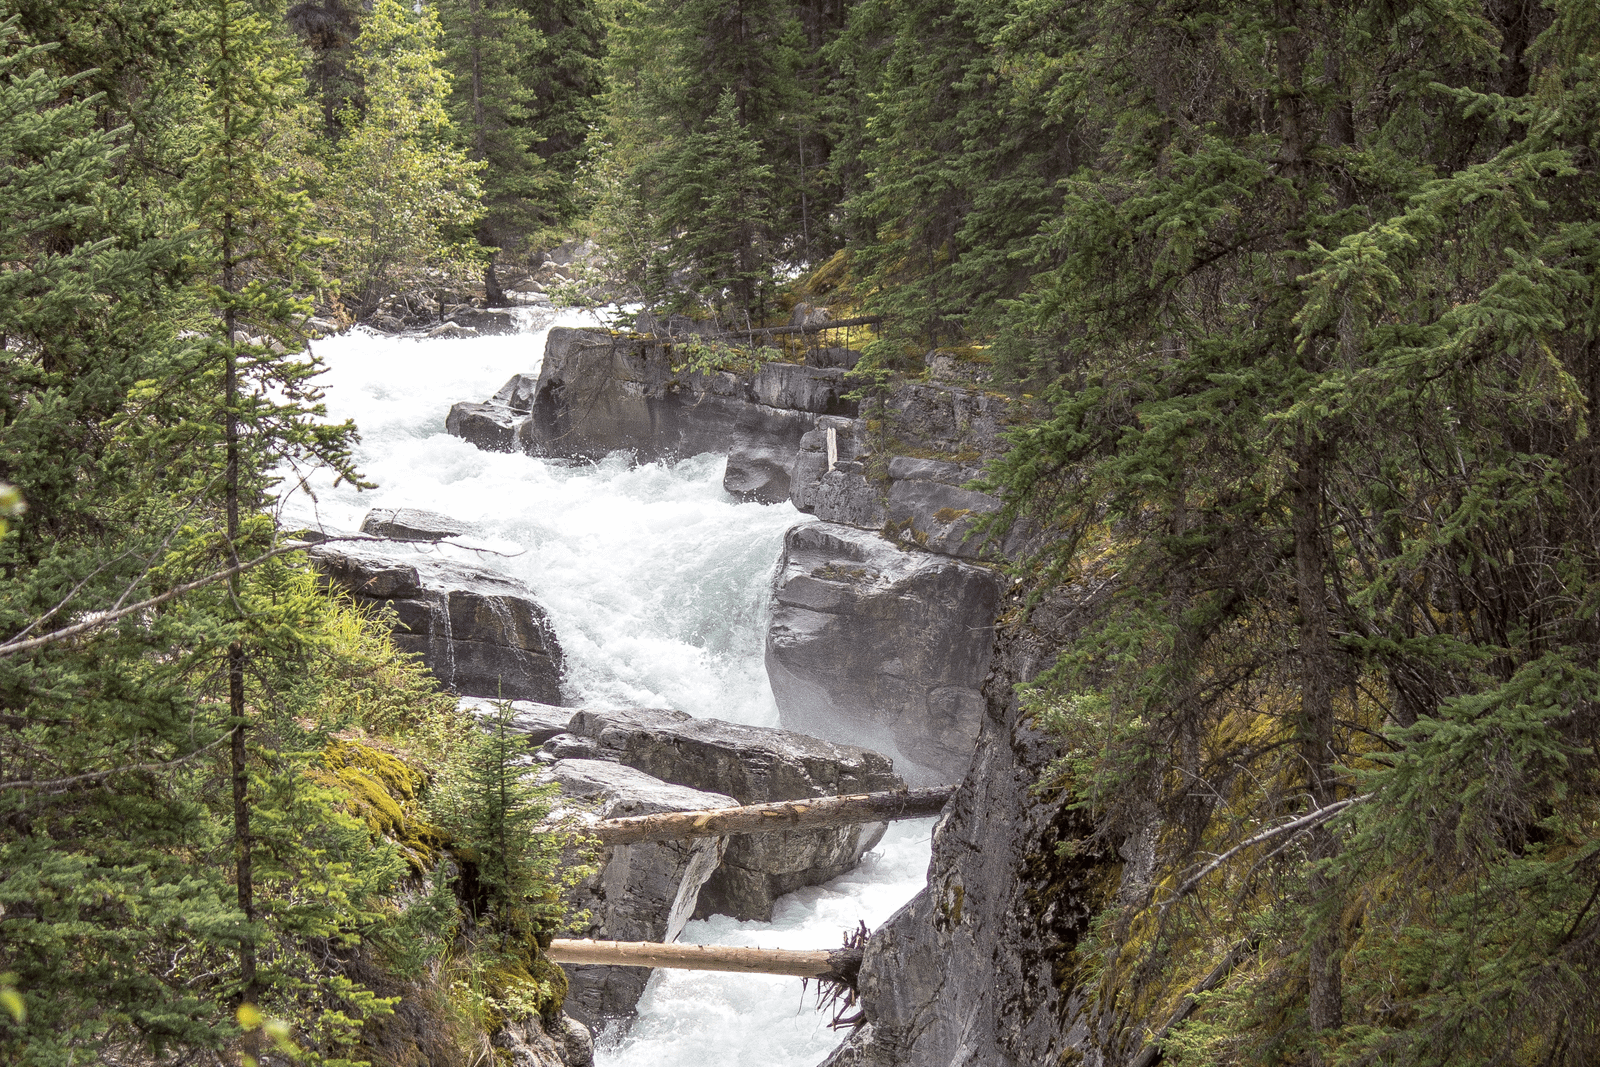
(884, 609)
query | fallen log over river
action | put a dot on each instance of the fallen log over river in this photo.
(834, 965)
(781, 815)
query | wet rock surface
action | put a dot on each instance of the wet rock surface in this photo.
(754, 765)
(412, 524)
(639, 892)
(867, 638)
(492, 426)
(529, 1043)
(481, 634)
(536, 722)
(976, 969)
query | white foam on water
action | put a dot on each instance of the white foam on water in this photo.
(654, 578)
(656, 582)
(710, 1019)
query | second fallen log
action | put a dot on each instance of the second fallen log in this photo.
(836, 965)
(781, 815)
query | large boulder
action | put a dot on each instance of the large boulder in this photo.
(412, 524)
(600, 392)
(492, 426)
(639, 892)
(481, 634)
(755, 765)
(869, 639)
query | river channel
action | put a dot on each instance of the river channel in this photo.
(656, 582)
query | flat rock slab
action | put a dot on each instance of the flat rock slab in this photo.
(753, 764)
(639, 892)
(869, 638)
(536, 722)
(481, 634)
(413, 524)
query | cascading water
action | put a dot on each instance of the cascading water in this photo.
(656, 583)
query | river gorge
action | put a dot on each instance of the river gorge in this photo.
(657, 584)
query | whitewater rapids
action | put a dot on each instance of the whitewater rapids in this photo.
(656, 583)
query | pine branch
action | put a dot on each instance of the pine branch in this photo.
(1304, 822)
(18, 644)
(57, 785)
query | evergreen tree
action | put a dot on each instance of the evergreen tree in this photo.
(328, 29)
(400, 198)
(1319, 323)
(964, 157)
(717, 191)
(493, 813)
(524, 76)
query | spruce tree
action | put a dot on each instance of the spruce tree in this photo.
(494, 812)
(252, 255)
(1321, 366)
(400, 199)
(523, 80)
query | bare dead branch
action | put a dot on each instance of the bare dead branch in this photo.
(56, 785)
(779, 815)
(1304, 822)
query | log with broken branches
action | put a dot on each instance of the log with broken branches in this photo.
(840, 965)
(781, 815)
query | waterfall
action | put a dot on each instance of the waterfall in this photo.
(656, 584)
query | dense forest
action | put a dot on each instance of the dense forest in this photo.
(1298, 304)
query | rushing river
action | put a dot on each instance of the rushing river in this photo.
(656, 583)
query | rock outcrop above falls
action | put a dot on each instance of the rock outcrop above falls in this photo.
(599, 393)
(869, 639)
(977, 968)
(481, 634)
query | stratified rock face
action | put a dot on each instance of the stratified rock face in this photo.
(640, 892)
(754, 765)
(917, 500)
(977, 968)
(480, 634)
(600, 393)
(867, 638)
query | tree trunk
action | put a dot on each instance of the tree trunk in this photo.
(1317, 676)
(781, 815)
(836, 965)
(244, 877)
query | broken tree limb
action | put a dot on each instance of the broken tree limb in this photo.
(1152, 1050)
(833, 965)
(781, 815)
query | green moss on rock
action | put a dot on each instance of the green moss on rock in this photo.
(383, 790)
